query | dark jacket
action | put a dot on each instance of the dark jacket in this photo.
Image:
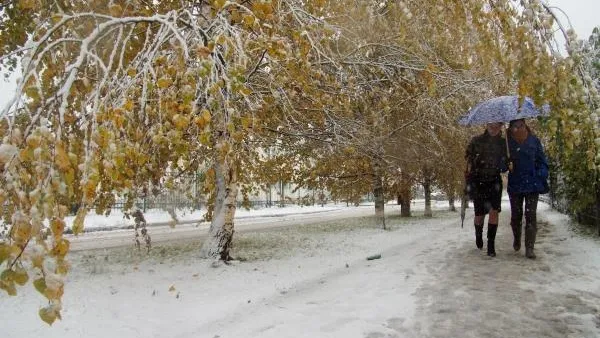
(486, 157)
(530, 168)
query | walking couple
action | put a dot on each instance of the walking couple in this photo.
(522, 154)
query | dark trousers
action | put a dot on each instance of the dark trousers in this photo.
(516, 216)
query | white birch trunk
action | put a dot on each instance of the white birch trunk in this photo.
(220, 234)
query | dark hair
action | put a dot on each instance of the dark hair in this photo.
(512, 122)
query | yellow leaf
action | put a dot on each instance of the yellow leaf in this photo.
(180, 122)
(32, 92)
(128, 105)
(219, 4)
(57, 226)
(20, 276)
(132, 72)
(248, 20)
(246, 121)
(27, 4)
(115, 10)
(206, 115)
(203, 52)
(62, 267)
(4, 252)
(69, 177)
(164, 82)
(61, 158)
(21, 232)
(48, 314)
(61, 247)
(245, 91)
(40, 285)
(7, 282)
(199, 121)
(56, 18)
(37, 261)
(9, 287)
(54, 293)
(205, 139)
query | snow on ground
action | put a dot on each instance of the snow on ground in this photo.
(116, 219)
(314, 281)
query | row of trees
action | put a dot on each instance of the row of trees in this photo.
(121, 99)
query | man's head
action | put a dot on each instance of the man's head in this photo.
(494, 128)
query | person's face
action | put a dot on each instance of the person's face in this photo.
(494, 128)
(517, 125)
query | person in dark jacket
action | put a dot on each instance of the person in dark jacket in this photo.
(486, 159)
(527, 179)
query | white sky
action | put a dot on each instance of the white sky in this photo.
(583, 15)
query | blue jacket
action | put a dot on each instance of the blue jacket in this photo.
(530, 168)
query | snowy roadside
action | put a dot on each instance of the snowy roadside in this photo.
(124, 293)
(116, 220)
(314, 281)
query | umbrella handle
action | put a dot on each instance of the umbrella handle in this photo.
(510, 164)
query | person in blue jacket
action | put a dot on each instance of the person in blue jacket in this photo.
(526, 181)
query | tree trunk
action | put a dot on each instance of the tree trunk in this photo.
(597, 211)
(405, 195)
(282, 196)
(451, 205)
(220, 234)
(427, 190)
(405, 208)
(379, 198)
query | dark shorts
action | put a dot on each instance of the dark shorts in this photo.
(486, 196)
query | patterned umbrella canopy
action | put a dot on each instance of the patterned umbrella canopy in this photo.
(502, 109)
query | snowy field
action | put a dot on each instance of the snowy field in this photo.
(116, 219)
(313, 280)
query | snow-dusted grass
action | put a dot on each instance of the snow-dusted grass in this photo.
(313, 280)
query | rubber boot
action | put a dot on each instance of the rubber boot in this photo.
(530, 232)
(479, 236)
(491, 235)
(516, 229)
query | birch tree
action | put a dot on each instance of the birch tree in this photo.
(120, 98)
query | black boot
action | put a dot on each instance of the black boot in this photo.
(479, 236)
(530, 232)
(491, 235)
(516, 228)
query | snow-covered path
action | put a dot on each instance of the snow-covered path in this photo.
(470, 295)
(314, 281)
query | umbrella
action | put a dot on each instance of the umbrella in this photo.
(464, 201)
(500, 109)
(503, 109)
(463, 210)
